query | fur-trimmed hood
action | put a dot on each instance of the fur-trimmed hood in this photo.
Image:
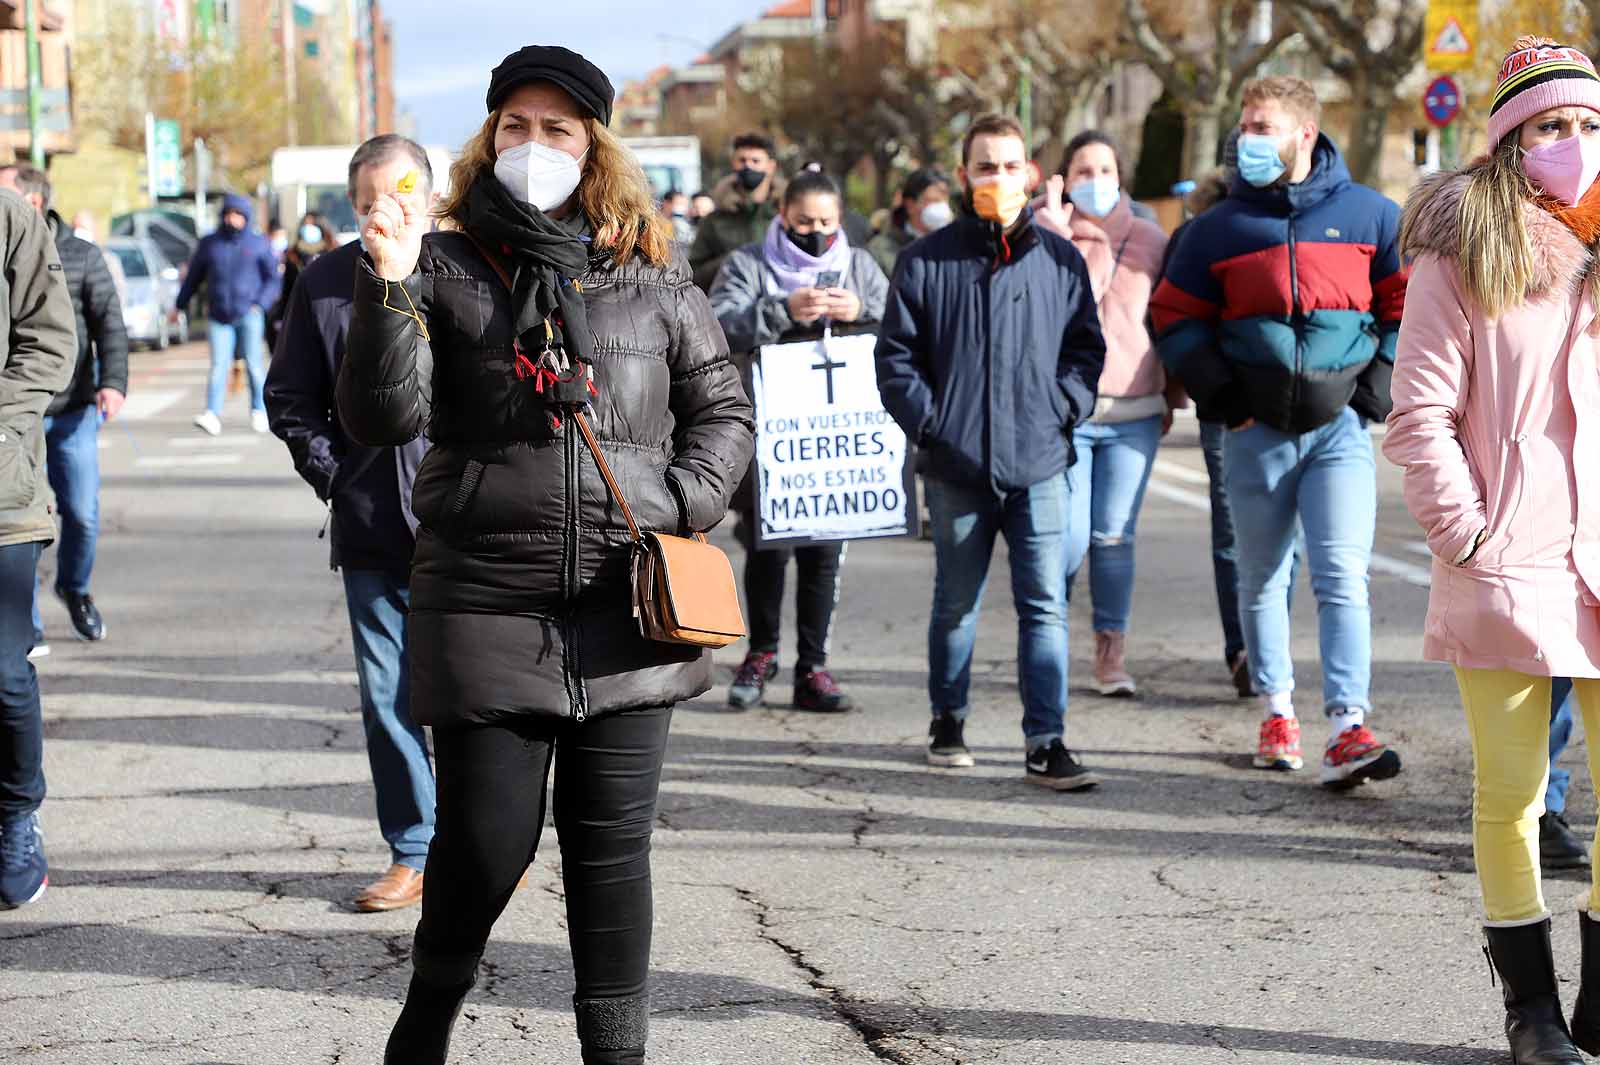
(1432, 225)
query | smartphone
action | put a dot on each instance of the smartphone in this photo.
(828, 279)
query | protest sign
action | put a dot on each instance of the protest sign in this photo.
(830, 463)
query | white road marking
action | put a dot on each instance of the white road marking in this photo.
(232, 440)
(1381, 563)
(1182, 472)
(142, 405)
(202, 459)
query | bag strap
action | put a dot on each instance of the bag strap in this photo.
(583, 423)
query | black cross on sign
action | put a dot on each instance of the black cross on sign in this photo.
(827, 366)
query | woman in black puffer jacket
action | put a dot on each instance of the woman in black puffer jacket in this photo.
(523, 645)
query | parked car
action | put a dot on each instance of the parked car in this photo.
(150, 307)
(173, 232)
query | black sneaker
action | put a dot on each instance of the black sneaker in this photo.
(1239, 669)
(1559, 846)
(750, 682)
(815, 689)
(947, 744)
(86, 620)
(1057, 768)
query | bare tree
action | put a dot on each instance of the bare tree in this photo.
(1202, 55)
(1371, 45)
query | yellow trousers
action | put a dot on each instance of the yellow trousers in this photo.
(1508, 715)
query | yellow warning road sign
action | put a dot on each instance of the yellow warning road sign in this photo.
(1450, 34)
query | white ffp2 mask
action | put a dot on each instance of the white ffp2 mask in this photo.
(541, 176)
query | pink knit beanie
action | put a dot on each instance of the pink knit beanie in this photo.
(1539, 74)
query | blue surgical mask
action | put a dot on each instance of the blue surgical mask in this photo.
(1096, 196)
(1259, 163)
(310, 234)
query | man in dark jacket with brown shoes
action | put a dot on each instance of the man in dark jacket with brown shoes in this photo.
(72, 421)
(36, 361)
(369, 492)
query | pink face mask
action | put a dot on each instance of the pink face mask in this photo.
(1564, 169)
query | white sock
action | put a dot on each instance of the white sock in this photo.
(1278, 704)
(1341, 718)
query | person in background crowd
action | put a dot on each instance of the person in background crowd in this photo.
(1265, 323)
(1496, 409)
(701, 207)
(768, 293)
(997, 430)
(72, 421)
(37, 363)
(84, 227)
(525, 653)
(924, 207)
(675, 209)
(857, 226)
(368, 491)
(746, 201)
(1115, 448)
(314, 237)
(278, 238)
(242, 280)
(1559, 846)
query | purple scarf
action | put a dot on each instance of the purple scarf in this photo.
(792, 268)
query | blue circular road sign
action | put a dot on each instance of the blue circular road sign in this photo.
(1441, 100)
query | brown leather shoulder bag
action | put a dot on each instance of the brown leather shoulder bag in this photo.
(683, 587)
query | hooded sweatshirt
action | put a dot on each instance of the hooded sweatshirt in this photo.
(236, 266)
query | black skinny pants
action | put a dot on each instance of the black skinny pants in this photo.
(491, 807)
(816, 595)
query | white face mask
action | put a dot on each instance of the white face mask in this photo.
(937, 215)
(543, 177)
(361, 229)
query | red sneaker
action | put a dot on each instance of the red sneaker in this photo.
(1355, 757)
(1279, 745)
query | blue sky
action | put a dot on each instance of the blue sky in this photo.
(445, 50)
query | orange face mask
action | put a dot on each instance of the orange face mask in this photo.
(998, 200)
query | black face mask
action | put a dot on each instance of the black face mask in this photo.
(813, 243)
(750, 178)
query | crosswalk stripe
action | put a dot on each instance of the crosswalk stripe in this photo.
(178, 461)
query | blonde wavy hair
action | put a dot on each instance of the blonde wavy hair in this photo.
(614, 193)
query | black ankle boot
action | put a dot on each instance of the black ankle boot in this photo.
(1586, 1014)
(1534, 1024)
(438, 987)
(613, 1030)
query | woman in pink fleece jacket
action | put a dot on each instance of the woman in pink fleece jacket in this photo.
(1497, 423)
(1116, 447)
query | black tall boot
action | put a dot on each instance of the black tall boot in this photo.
(438, 987)
(1586, 1014)
(613, 1030)
(1534, 1025)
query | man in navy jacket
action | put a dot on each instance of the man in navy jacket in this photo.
(990, 353)
(240, 273)
(374, 534)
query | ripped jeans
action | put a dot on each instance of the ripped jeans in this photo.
(1106, 484)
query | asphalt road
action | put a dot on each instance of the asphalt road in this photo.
(822, 896)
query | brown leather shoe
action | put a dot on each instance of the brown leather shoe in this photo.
(400, 887)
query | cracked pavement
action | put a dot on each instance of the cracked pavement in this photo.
(822, 896)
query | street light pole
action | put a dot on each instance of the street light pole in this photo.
(35, 88)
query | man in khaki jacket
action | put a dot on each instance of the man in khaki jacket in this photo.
(38, 352)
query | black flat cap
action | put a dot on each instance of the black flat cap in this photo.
(583, 81)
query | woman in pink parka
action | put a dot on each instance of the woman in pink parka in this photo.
(1116, 447)
(1497, 424)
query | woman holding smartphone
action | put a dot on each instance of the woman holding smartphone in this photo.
(803, 278)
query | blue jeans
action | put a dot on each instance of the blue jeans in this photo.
(21, 718)
(1106, 488)
(246, 335)
(1034, 522)
(402, 778)
(1561, 699)
(1326, 479)
(73, 440)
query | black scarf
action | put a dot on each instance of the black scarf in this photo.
(543, 257)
